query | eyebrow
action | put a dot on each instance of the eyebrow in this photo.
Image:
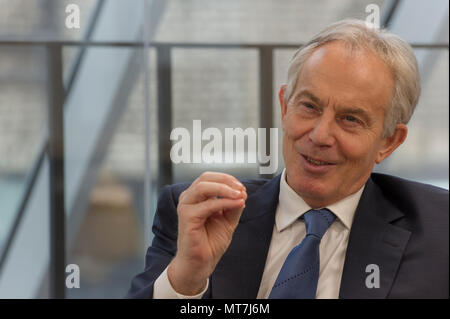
(307, 94)
(354, 110)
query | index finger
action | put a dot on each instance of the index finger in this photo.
(223, 178)
(204, 190)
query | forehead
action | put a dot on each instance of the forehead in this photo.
(347, 75)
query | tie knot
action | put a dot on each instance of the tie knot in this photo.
(317, 221)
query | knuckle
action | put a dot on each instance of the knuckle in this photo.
(200, 185)
(230, 179)
(200, 188)
(182, 196)
(180, 209)
(205, 175)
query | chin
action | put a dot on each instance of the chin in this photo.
(313, 192)
(310, 188)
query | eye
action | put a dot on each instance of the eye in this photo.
(308, 106)
(351, 120)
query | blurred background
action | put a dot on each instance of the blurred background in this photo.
(86, 114)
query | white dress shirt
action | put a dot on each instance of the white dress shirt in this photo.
(288, 231)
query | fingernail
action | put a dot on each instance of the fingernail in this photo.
(236, 193)
(238, 184)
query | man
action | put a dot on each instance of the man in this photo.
(327, 227)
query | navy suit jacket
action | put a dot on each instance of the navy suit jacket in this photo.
(399, 225)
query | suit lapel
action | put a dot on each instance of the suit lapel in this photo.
(373, 240)
(238, 274)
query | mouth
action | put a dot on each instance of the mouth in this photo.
(316, 162)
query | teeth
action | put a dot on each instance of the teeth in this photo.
(315, 162)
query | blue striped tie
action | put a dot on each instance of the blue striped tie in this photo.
(300, 272)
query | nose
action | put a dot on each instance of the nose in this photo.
(322, 132)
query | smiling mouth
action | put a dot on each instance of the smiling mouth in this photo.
(315, 161)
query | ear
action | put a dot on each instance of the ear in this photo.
(283, 102)
(391, 143)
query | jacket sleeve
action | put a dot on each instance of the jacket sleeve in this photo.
(163, 247)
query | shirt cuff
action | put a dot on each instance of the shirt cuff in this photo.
(162, 289)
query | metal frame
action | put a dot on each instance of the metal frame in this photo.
(37, 42)
(55, 152)
(164, 75)
(266, 94)
(390, 13)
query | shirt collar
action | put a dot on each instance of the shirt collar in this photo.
(291, 206)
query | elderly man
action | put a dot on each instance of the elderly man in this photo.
(327, 227)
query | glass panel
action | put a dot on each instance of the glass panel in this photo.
(430, 21)
(264, 21)
(23, 118)
(219, 87)
(424, 155)
(42, 19)
(106, 223)
(48, 20)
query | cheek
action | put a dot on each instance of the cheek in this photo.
(293, 126)
(291, 134)
(358, 150)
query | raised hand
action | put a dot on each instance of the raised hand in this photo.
(208, 213)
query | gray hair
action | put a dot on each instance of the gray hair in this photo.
(391, 49)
